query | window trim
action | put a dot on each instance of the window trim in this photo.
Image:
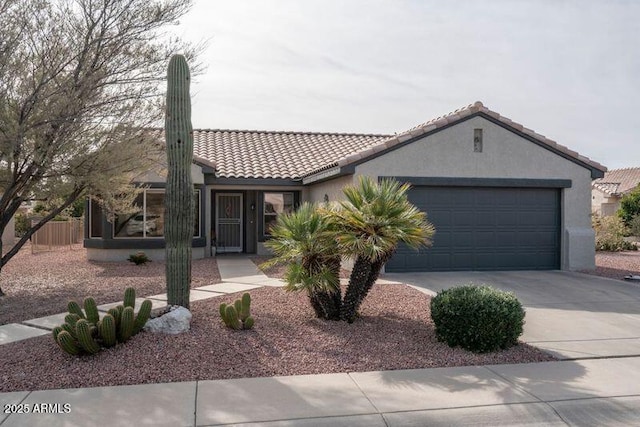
(90, 220)
(197, 193)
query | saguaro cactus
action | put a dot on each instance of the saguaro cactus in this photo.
(178, 229)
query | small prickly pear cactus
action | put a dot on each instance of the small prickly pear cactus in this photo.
(85, 338)
(107, 330)
(238, 315)
(130, 297)
(91, 310)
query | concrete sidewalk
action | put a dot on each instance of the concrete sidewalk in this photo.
(601, 392)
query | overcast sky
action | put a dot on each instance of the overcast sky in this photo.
(569, 70)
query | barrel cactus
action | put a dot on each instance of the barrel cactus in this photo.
(84, 332)
(179, 205)
(238, 315)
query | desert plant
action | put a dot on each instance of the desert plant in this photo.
(22, 224)
(84, 332)
(634, 226)
(610, 232)
(139, 258)
(179, 191)
(238, 315)
(477, 318)
(630, 205)
(305, 241)
(373, 220)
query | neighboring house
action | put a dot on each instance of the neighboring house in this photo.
(607, 191)
(501, 196)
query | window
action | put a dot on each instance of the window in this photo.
(95, 219)
(274, 205)
(148, 221)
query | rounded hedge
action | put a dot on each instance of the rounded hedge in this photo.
(477, 318)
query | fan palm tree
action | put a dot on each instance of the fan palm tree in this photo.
(370, 224)
(304, 240)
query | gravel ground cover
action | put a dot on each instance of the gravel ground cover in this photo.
(42, 284)
(616, 265)
(394, 332)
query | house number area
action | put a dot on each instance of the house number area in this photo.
(37, 408)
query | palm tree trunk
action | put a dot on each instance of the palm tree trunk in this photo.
(326, 304)
(357, 283)
(376, 267)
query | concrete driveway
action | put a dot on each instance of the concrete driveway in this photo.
(571, 315)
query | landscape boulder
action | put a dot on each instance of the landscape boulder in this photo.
(176, 321)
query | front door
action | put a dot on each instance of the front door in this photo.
(228, 222)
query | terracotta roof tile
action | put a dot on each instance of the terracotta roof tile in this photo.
(618, 181)
(266, 154)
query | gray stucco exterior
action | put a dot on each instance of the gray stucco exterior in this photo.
(505, 154)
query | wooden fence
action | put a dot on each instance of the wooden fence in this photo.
(55, 234)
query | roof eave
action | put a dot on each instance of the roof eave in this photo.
(328, 174)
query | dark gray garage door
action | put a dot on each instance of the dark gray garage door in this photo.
(480, 228)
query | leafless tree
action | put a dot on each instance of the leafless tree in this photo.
(80, 83)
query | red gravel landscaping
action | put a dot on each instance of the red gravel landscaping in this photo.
(42, 284)
(616, 265)
(394, 331)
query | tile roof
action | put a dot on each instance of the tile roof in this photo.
(618, 181)
(292, 155)
(264, 154)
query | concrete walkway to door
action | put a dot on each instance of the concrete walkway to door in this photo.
(571, 315)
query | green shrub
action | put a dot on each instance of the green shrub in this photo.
(22, 224)
(630, 205)
(139, 258)
(634, 226)
(610, 232)
(477, 318)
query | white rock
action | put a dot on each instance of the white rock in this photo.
(175, 321)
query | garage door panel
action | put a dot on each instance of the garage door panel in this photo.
(481, 228)
(444, 218)
(484, 239)
(463, 219)
(505, 218)
(485, 219)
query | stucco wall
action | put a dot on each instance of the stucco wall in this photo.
(333, 189)
(450, 153)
